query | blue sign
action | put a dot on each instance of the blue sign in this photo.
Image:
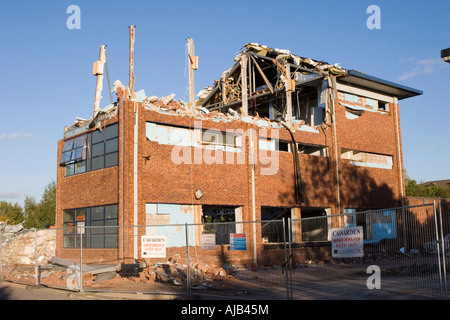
(238, 241)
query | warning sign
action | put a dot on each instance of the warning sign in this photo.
(153, 246)
(238, 241)
(347, 242)
(208, 241)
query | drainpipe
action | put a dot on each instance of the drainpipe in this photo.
(332, 84)
(252, 150)
(298, 180)
(135, 181)
(399, 149)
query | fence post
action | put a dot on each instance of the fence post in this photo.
(444, 267)
(404, 229)
(36, 265)
(285, 258)
(81, 261)
(188, 269)
(291, 271)
(438, 246)
(1, 261)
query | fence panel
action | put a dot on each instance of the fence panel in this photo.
(400, 261)
(444, 210)
(405, 255)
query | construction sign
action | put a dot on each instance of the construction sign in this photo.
(238, 241)
(347, 242)
(153, 246)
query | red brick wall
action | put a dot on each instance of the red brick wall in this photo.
(162, 181)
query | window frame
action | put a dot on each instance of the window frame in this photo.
(107, 228)
(100, 151)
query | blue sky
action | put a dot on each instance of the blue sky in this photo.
(46, 69)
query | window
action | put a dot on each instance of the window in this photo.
(272, 224)
(367, 159)
(274, 145)
(220, 139)
(383, 106)
(280, 145)
(315, 224)
(98, 226)
(312, 150)
(224, 214)
(91, 151)
(74, 155)
(359, 104)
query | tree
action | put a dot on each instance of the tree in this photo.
(431, 191)
(11, 213)
(38, 215)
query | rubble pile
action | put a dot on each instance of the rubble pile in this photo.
(19, 245)
(173, 272)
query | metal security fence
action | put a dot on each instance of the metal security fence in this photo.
(395, 253)
(404, 256)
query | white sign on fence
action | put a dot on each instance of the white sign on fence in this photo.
(347, 242)
(153, 246)
(208, 241)
(80, 227)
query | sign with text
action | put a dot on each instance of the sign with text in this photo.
(208, 241)
(153, 246)
(347, 242)
(238, 241)
(80, 227)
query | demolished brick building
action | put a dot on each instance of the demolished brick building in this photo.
(276, 136)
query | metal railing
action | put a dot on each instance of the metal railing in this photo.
(403, 254)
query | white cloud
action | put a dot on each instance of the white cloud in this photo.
(10, 136)
(10, 195)
(423, 66)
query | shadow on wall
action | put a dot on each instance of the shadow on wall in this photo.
(359, 187)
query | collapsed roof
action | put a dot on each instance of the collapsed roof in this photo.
(271, 73)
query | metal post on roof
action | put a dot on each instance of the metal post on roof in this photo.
(244, 85)
(98, 71)
(193, 65)
(290, 87)
(131, 62)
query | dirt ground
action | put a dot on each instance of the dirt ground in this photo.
(400, 278)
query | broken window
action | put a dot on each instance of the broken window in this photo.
(169, 135)
(74, 150)
(183, 136)
(280, 145)
(91, 151)
(220, 139)
(356, 105)
(97, 225)
(274, 145)
(315, 224)
(383, 106)
(312, 150)
(219, 220)
(305, 106)
(367, 159)
(273, 230)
